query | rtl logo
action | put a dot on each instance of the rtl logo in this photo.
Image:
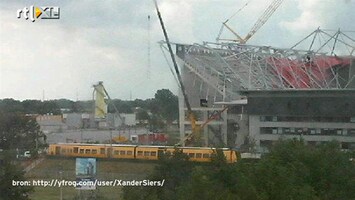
(44, 12)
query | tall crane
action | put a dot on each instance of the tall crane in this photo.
(259, 23)
(195, 129)
(195, 136)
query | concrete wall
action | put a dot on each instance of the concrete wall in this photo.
(255, 124)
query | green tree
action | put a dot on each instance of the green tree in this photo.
(122, 106)
(31, 106)
(292, 170)
(175, 169)
(11, 105)
(142, 115)
(19, 132)
(10, 172)
(167, 105)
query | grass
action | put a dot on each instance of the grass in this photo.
(106, 170)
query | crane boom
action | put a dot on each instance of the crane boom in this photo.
(258, 24)
(194, 127)
(263, 18)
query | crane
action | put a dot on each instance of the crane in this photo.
(259, 23)
(195, 136)
(195, 129)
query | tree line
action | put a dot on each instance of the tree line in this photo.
(292, 170)
(164, 106)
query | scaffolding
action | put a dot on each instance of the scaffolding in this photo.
(218, 71)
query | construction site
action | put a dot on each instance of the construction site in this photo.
(247, 97)
(250, 121)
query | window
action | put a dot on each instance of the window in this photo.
(63, 150)
(279, 131)
(146, 153)
(94, 151)
(191, 155)
(262, 118)
(274, 131)
(115, 152)
(81, 151)
(102, 150)
(338, 132)
(153, 153)
(198, 155)
(206, 155)
(140, 153)
(122, 153)
(274, 119)
(129, 153)
(87, 151)
(345, 131)
(76, 149)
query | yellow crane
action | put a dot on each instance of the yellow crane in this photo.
(195, 136)
(195, 129)
(259, 23)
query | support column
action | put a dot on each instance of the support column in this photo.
(225, 127)
(205, 129)
(181, 117)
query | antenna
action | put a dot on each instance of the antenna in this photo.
(43, 94)
(148, 67)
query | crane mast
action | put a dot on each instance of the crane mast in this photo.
(259, 23)
(195, 129)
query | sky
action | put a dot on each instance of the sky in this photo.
(109, 41)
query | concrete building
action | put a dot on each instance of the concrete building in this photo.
(314, 115)
(51, 123)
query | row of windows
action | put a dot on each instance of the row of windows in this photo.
(307, 131)
(146, 153)
(95, 151)
(121, 152)
(84, 151)
(305, 119)
(195, 155)
(343, 145)
(199, 155)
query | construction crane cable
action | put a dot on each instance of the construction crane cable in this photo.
(225, 22)
(173, 57)
(170, 67)
(110, 100)
(240, 9)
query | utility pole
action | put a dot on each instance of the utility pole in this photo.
(61, 189)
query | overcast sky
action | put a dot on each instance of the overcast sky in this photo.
(108, 41)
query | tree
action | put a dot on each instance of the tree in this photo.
(11, 105)
(174, 168)
(19, 132)
(167, 105)
(142, 115)
(10, 172)
(292, 170)
(122, 106)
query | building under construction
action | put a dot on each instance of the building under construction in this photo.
(271, 92)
